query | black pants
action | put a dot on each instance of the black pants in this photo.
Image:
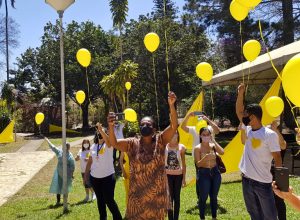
(104, 189)
(175, 183)
(281, 208)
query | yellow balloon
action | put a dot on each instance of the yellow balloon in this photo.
(291, 79)
(200, 124)
(80, 96)
(238, 11)
(39, 118)
(204, 71)
(274, 106)
(130, 115)
(83, 57)
(251, 50)
(128, 85)
(249, 3)
(151, 41)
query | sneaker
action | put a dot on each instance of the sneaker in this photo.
(94, 197)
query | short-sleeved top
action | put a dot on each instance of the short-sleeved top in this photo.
(119, 131)
(196, 138)
(173, 161)
(83, 155)
(148, 197)
(102, 156)
(257, 157)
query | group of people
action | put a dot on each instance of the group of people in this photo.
(157, 166)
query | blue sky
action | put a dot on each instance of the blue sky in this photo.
(32, 15)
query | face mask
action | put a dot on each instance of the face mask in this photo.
(246, 120)
(205, 138)
(86, 146)
(146, 130)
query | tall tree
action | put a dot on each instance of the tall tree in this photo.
(13, 35)
(165, 7)
(12, 2)
(119, 10)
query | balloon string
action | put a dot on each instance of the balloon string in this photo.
(127, 99)
(155, 89)
(212, 103)
(87, 83)
(248, 79)
(292, 110)
(167, 52)
(242, 52)
(262, 37)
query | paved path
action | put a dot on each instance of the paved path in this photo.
(16, 169)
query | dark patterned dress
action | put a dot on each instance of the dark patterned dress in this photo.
(148, 196)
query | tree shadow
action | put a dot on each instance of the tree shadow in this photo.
(195, 210)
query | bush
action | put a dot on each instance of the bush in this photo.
(4, 121)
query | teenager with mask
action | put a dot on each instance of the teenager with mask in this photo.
(176, 172)
(100, 167)
(261, 147)
(83, 155)
(208, 174)
(148, 198)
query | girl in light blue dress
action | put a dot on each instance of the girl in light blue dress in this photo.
(57, 179)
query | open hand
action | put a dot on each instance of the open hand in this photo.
(281, 194)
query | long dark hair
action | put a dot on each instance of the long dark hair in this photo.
(85, 140)
(97, 137)
(200, 132)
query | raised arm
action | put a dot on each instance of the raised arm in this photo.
(103, 134)
(53, 147)
(185, 121)
(212, 124)
(169, 132)
(282, 142)
(218, 148)
(120, 144)
(239, 105)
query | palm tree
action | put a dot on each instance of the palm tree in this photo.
(113, 85)
(119, 10)
(12, 2)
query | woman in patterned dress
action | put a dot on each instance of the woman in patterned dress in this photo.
(148, 196)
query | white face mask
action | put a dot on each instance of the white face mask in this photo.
(205, 138)
(86, 146)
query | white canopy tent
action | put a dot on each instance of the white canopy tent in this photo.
(261, 71)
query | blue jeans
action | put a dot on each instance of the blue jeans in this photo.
(259, 199)
(209, 182)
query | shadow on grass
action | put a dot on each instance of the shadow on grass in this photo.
(50, 207)
(82, 202)
(195, 210)
(63, 214)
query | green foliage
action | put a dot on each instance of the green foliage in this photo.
(119, 10)
(131, 129)
(114, 84)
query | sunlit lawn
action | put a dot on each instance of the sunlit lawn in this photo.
(34, 201)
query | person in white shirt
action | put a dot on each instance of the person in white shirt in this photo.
(118, 129)
(101, 169)
(261, 147)
(212, 126)
(83, 156)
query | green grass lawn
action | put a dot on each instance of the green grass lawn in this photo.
(13, 146)
(34, 201)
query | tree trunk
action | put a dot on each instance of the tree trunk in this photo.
(6, 40)
(288, 21)
(85, 116)
(288, 37)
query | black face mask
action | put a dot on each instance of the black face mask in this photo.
(246, 120)
(146, 130)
